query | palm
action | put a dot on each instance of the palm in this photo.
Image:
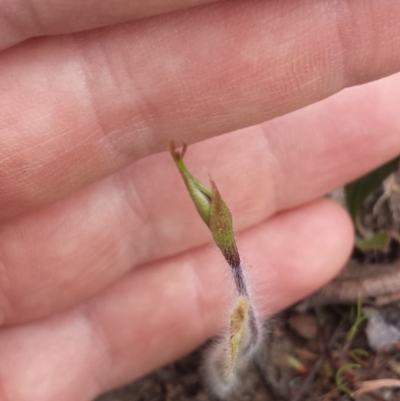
(116, 278)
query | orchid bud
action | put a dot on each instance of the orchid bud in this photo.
(211, 208)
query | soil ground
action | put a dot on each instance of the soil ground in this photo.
(306, 353)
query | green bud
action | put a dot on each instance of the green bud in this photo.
(211, 208)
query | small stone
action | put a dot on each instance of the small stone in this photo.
(304, 325)
(383, 327)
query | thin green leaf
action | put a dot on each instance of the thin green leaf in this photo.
(378, 242)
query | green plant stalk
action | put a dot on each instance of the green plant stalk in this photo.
(340, 380)
(244, 329)
(356, 353)
(358, 320)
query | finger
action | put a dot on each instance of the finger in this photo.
(162, 311)
(104, 99)
(23, 20)
(61, 255)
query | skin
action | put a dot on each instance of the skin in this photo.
(106, 272)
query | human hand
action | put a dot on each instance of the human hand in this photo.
(116, 278)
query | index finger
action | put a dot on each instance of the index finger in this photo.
(77, 108)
